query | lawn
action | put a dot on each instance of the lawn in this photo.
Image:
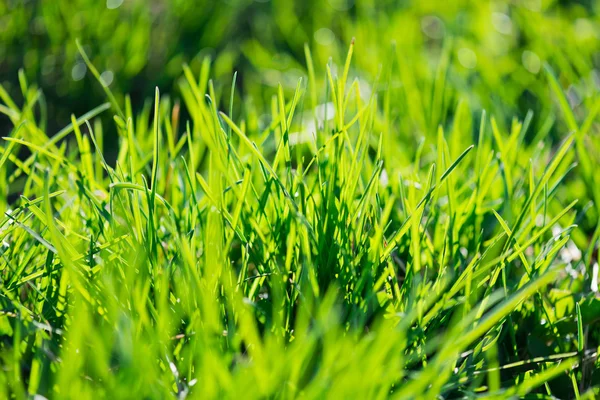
(299, 199)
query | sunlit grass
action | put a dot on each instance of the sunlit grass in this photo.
(325, 252)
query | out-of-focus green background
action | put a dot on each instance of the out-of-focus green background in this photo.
(495, 50)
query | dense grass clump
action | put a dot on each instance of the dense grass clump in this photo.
(325, 246)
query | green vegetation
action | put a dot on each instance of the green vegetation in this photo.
(413, 213)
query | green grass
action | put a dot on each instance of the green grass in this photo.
(325, 246)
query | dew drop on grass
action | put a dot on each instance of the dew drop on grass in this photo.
(112, 4)
(324, 36)
(384, 179)
(107, 77)
(433, 27)
(467, 58)
(78, 71)
(531, 61)
(502, 23)
(585, 29)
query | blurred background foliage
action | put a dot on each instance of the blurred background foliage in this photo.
(495, 49)
(480, 54)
